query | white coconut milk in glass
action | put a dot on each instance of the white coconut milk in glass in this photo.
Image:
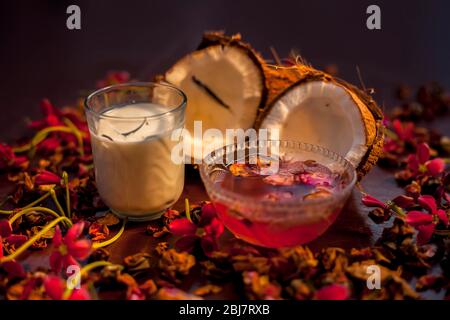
(132, 146)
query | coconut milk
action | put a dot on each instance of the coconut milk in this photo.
(132, 156)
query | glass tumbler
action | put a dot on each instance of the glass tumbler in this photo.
(135, 128)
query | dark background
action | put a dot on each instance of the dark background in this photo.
(40, 57)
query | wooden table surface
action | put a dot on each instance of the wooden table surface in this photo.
(352, 229)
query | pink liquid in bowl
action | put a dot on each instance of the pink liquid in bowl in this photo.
(272, 235)
(268, 225)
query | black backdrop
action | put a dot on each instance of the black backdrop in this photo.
(40, 57)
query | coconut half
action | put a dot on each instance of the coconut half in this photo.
(224, 83)
(311, 106)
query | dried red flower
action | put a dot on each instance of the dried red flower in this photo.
(425, 223)
(70, 249)
(373, 202)
(51, 116)
(404, 201)
(12, 268)
(98, 231)
(316, 179)
(8, 159)
(16, 240)
(260, 286)
(403, 134)
(46, 177)
(420, 162)
(6, 156)
(55, 288)
(280, 179)
(404, 131)
(207, 231)
(13, 240)
(174, 264)
(333, 292)
(49, 145)
(5, 228)
(54, 142)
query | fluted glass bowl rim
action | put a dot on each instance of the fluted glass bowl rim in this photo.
(218, 194)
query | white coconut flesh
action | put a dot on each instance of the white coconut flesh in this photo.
(223, 85)
(324, 114)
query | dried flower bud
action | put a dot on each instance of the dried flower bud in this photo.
(379, 215)
(174, 264)
(413, 189)
(100, 254)
(137, 263)
(403, 201)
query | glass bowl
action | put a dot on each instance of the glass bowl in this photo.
(283, 222)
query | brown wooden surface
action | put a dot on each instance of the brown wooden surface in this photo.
(351, 229)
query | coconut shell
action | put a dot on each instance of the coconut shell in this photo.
(214, 38)
(281, 79)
